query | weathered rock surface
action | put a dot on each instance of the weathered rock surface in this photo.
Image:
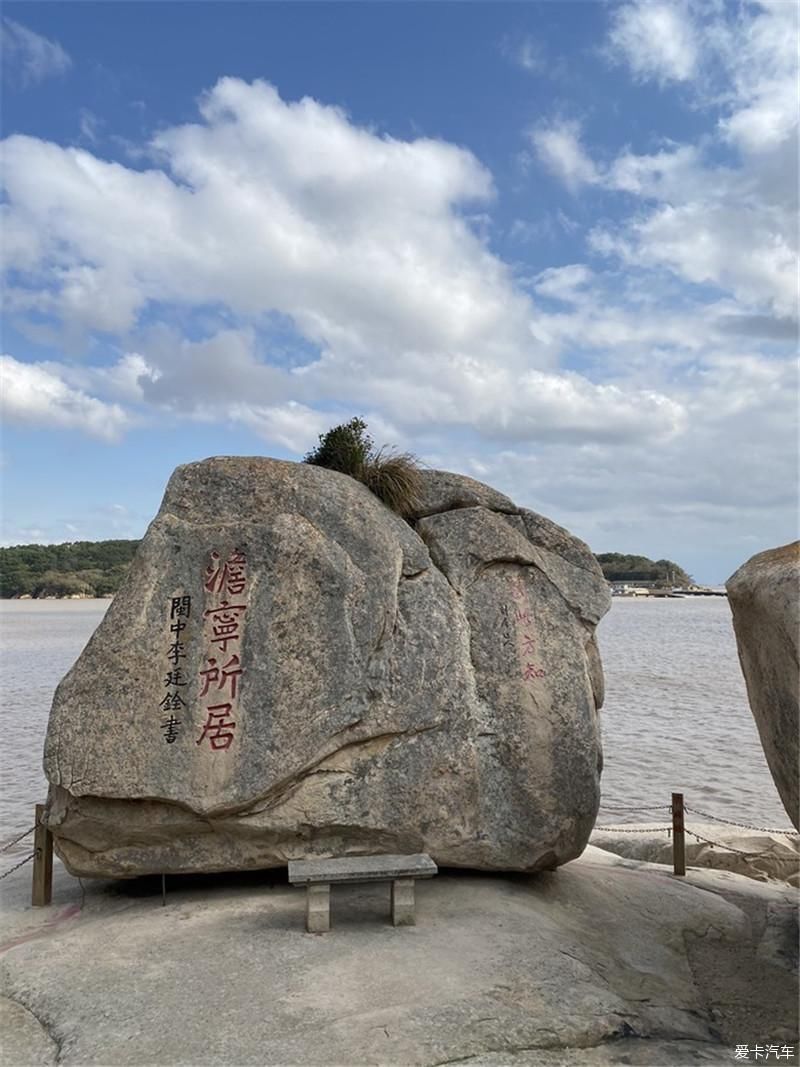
(445, 491)
(24, 1039)
(604, 961)
(755, 854)
(346, 682)
(764, 595)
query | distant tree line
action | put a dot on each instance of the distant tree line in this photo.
(621, 568)
(77, 568)
(96, 568)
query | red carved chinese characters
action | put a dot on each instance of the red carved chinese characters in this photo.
(225, 675)
(217, 727)
(528, 644)
(532, 671)
(228, 577)
(523, 647)
(223, 625)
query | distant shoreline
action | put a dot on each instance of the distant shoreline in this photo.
(73, 596)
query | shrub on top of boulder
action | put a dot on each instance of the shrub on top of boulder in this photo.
(394, 477)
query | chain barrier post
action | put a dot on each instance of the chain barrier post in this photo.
(678, 839)
(42, 888)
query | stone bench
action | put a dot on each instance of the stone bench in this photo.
(317, 875)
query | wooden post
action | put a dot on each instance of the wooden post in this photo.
(678, 840)
(42, 888)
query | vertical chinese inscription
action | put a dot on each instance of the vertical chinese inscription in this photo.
(180, 609)
(523, 642)
(220, 674)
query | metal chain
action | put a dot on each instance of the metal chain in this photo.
(743, 825)
(17, 866)
(8, 844)
(634, 829)
(651, 807)
(692, 833)
(728, 848)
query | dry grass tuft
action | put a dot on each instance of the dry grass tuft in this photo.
(395, 478)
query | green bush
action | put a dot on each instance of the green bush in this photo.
(58, 584)
(394, 477)
(345, 448)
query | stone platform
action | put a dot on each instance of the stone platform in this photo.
(604, 961)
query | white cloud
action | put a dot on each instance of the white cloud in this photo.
(744, 63)
(353, 235)
(89, 125)
(761, 58)
(702, 497)
(123, 381)
(664, 175)
(561, 283)
(358, 240)
(530, 56)
(657, 40)
(558, 146)
(526, 52)
(293, 426)
(549, 226)
(735, 245)
(28, 57)
(732, 226)
(34, 395)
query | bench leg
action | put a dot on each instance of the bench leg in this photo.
(403, 902)
(318, 908)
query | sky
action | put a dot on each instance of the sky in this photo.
(552, 246)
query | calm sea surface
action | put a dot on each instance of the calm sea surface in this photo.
(676, 714)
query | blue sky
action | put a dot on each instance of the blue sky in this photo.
(552, 246)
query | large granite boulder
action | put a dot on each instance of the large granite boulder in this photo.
(764, 595)
(291, 669)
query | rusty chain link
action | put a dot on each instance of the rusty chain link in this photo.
(634, 829)
(743, 825)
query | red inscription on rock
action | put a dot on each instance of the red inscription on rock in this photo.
(226, 577)
(218, 728)
(225, 623)
(532, 671)
(227, 674)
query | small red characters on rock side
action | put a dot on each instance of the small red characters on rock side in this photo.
(532, 671)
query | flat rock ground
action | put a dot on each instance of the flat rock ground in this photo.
(605, 961)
